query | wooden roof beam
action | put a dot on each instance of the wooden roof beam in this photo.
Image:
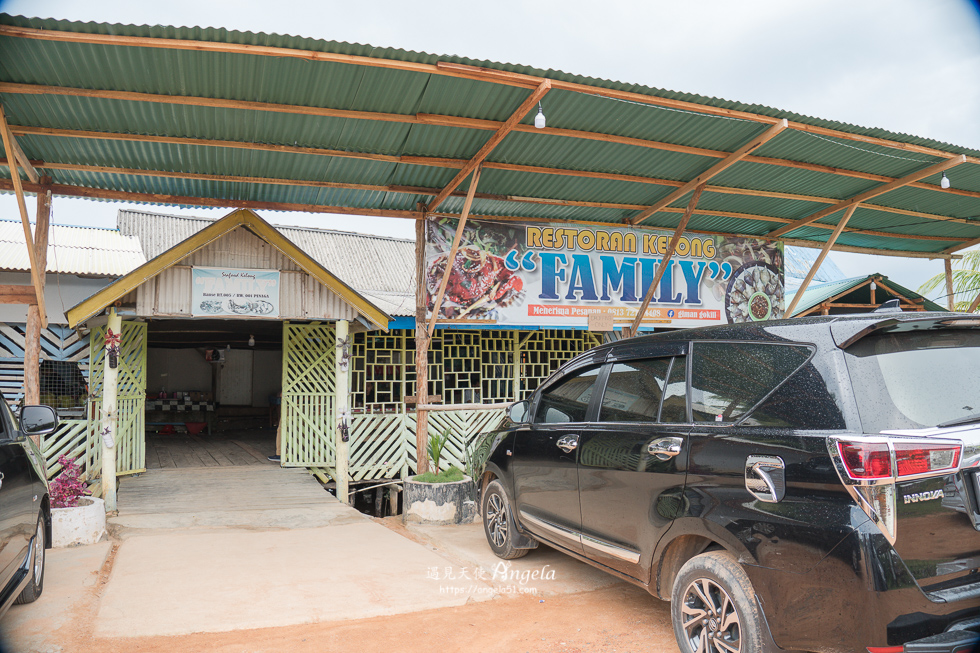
(417, 190)
(183, 200)
(874, 192)
(471, 165)
(452, 121)
(16, 294)
(713, 171)
(37, 274)
(459, 163)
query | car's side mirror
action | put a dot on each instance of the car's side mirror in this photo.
(38, 420)
(519, 413)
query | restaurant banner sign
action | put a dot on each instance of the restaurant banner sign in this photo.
(219, 292)
(556, 274)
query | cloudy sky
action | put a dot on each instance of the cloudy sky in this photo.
(905, 65)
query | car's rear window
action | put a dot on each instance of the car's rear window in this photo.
(729, 378)
(912, 380)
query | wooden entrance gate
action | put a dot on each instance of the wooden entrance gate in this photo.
(309, 388)
(130, 402)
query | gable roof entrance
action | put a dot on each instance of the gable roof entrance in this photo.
(245, 233)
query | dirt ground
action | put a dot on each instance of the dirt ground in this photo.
(619, 619)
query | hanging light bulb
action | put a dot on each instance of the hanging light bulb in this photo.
(251, 341)
(874, 286)
(944, 182)
(539, 120)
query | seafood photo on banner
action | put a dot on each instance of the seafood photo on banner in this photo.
(479, 282)
(755, 291)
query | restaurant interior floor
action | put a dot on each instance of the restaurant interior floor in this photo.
(223, 448)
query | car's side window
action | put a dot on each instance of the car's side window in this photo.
(568, 400)
(729, 378)
(633, 391)
(674, 410)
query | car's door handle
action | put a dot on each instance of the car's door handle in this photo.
(567, 443)
(665, 448)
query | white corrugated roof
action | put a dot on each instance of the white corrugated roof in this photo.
(73, 250)
(380, 268)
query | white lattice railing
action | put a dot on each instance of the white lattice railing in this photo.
(383, 446)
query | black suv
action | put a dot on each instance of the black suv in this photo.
(25, 513)
(807, 484)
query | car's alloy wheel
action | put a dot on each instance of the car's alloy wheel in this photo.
(713, 607)
(498, 522)
(710, 618)
(36, 585)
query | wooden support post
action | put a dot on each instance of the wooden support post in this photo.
(32, 336)
(343, 415)
(109, 417)
(421, 351)
(517, 366)
(820, 257)
(451, 261)
(37, 274)
(678, 232)
(950, 302)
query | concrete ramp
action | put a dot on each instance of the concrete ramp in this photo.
(244, 496)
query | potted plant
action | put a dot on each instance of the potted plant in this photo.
(75, 518)
(440, 497)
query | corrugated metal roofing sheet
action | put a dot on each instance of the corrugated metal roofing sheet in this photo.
(817, 294)
(73, 250)
(345, 86)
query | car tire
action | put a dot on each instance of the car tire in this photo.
(498, 522)
(713, 607)
(36, 585)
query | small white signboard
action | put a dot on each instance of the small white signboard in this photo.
(219, 292)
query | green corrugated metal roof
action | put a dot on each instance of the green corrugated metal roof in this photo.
(815, 295)
(351, 86)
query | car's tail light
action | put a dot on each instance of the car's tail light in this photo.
(872, 460)
(913, 458)
(870, 467)
(866, 460)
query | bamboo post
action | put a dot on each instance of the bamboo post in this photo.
(343, 395)
(421, 352)
(517, 365)
(678, 232)
(37, 274)
(451, 260)
(110, 383)
(820, 257)
(32, 335)
(974, 304)
(948, 264)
